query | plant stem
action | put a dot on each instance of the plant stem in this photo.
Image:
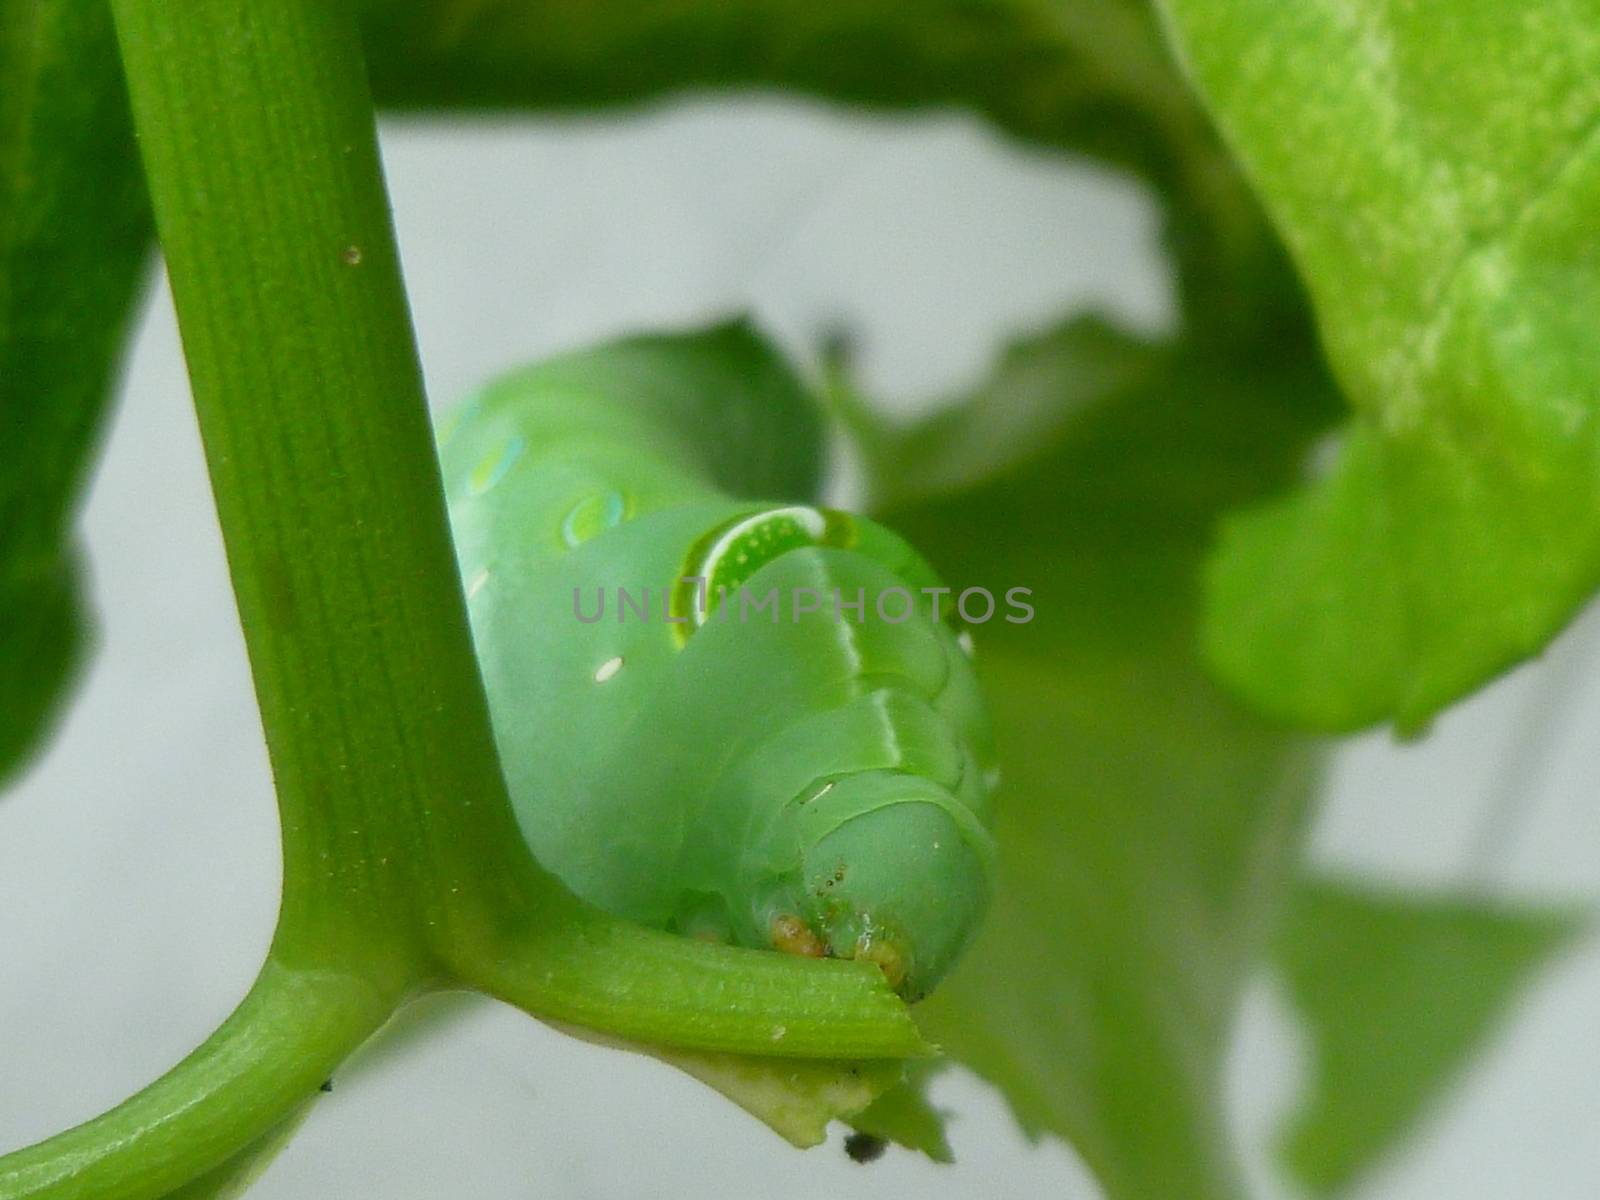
(655, 987)
(266, 1060)
(261, 154)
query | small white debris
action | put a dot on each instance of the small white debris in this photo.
(964, 640)
(607, 669)
(477, 582)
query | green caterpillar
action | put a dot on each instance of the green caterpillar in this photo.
(699, 729)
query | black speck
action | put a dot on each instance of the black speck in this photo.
(326, 1086)
(864, 1147)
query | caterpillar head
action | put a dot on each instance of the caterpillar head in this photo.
(862, 763)
(894, 874)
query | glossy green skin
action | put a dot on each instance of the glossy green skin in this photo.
(718, 778)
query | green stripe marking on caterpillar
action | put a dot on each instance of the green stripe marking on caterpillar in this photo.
(694, 734)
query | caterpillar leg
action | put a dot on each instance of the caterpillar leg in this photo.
(792, 935)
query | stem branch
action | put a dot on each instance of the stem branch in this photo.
(268, 1058)
(261, 153)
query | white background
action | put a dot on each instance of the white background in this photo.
(138, 860)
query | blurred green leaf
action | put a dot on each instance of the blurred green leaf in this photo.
(1088, 76)
(1036, 391)
(74, 232)
(903, 1115)
(726, 376)
(1148, 824)
(1434, 170)
(41, 642)
(1398, 991)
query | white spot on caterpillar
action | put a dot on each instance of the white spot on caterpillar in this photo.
(778, 1032)
(476, 584)
(991, 778)
(964, 640)
(608, 669)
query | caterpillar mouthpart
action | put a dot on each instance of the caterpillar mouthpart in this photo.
(901, 879)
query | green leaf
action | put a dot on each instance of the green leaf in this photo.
(727, 377)
(1087, 76)
(902, 1115)
(74, 232)
(42, 638)
(1147, 823)
(1039, 386)
(1434, 172)
(1397, 991)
